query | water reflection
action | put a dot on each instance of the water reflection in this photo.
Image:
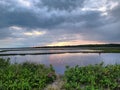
(111, 58)
(59, 61)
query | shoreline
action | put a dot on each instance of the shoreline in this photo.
(57, 51)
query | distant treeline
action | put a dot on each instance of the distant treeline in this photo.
(100, 45)
(68, 46)
(89, 45)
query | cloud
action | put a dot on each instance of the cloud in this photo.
(4, 34)
(115, 12)
(44, 14)
(62, 4)
(52, 21)
(34, 33)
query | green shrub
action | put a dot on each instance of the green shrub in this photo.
(4, 62)
(92, 77)
(26, 76)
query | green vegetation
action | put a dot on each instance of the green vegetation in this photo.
(93, 77)
(3, 51)
(26, 76)
(29, 76)
(108, 49)
(105, 48)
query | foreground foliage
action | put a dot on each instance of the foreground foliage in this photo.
(26, 76)
(29, 76)
(97, 77)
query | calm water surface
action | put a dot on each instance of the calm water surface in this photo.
(59, 61)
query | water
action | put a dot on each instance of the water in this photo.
(59, 61)
(45, 51)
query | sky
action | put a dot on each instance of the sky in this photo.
(29, 23)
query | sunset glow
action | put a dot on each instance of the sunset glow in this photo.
(76, 42)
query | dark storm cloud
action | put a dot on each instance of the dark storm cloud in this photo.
(63, 4)
(25, 19)
(55, 13)
(43, 15)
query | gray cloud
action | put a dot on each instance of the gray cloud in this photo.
(115, 13)
(25, 19)
(4, 33)
(108, 33)
(63, 4)
(41, 15)
(63, 19)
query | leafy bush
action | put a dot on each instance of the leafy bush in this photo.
(29, 76)
(4, 62)
(26, 76)
(92, 77)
